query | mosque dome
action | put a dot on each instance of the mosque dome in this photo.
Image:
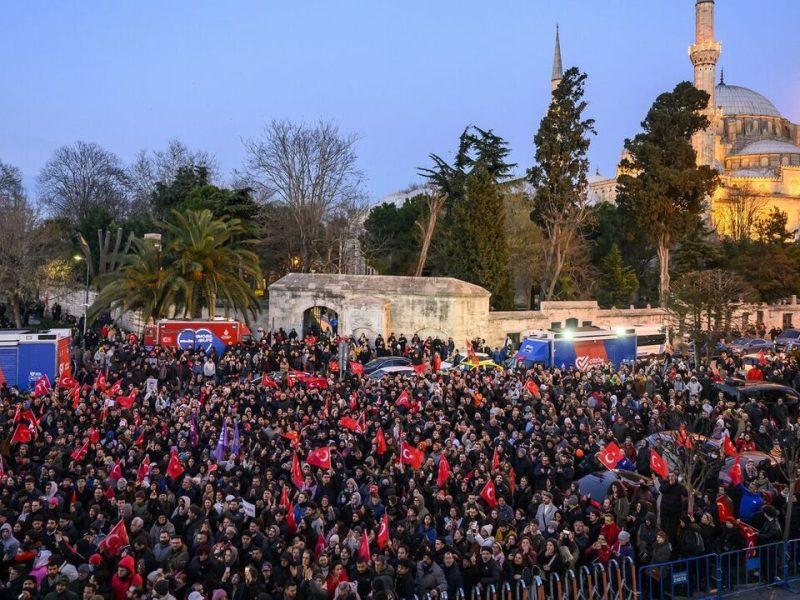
(737, 100)
(768, 147)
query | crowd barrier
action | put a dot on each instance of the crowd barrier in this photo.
(699, 577)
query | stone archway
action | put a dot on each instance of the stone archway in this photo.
(320, 319)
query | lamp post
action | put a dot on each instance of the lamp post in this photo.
(79, 258)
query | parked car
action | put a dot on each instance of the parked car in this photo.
(391, 371)
(486, 365)
(747, 345)
(750, 456)
(595, 485)
(386, 361)
(460, 358)
(788, 339)
(741, 391)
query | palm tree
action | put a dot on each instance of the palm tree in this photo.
(140, 284)
(213, 260)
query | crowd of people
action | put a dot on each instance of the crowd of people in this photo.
(267, 472)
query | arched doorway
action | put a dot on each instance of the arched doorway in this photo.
(320, 319)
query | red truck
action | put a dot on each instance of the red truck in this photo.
(195, 334)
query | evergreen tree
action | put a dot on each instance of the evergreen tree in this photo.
(389, 240)
(559, 177)
(472, 243)
(662, 190)
(476, 243)
(618, 281)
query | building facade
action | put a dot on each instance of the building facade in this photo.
(755, 149)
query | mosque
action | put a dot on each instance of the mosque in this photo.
(755, 149)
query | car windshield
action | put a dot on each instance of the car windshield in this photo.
(740, 341)
(791, 334)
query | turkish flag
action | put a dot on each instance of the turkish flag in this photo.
(533, 389)
(356, 367)
(285, 502)
(437, 363)
(489, 494)
(512, 480)
(42, 386)
(291, 522)
(66, 381)
(80, 453)
(319, 548)
(320, 457)
(610, 455)
(410, 455)
(116, 539)
(298, 375)
(724, 509)
(728, 447)
(658, 465)
(380, 442)
(762, 357)
(268, 382)
(174, 467)
(403, 399)
(683, 439)
(126, 401)
(496, 460)
(353, 401)
(29, 415)
(144, 470)
(94, 435)
(444, 472)
(363, 549)
(100, 383)
(420, 368)
(75, 394)
(317, 383)
(292, 436)
(139, 439)
(22, 434)
(351, 424)
(116, 472)
(297, 474)
(115, 389)
(383, 532)
(735, 472)
(750, 536)
(362, 424)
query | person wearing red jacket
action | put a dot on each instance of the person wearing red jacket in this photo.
(609, 530)
(125, 577)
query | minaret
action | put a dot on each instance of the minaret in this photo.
(704, 54)
(558, 70)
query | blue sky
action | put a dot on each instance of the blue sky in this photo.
(405, 75)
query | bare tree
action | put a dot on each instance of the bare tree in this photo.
(19, 243)
(81, 177)
(692, 459)
(740, 213)
(434, 202)
(312, 172)
(151, 167)
(790, 462)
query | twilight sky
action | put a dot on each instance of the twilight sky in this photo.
(405, 75)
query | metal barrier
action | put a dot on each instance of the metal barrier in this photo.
(520, 591)
(477, 591)
(684, 577)
(752, 568)
(460, 594)
(629, 588)
(600, 582)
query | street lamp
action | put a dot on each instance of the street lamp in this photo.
(79, 258)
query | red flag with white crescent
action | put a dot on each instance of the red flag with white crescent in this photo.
(610, 455)
(144, 470)
(380, 442)
(116, 539)
(363, 549)
(658, 465)
(728, 447)
(489, 494)
(410, 455)
(383, 532)
(297, 473)
(320, 457)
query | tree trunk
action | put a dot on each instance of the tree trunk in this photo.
(427, 236)
(16, 311)
(663, 265)
(789, 506)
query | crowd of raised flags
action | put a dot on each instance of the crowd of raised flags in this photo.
(135, 476)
